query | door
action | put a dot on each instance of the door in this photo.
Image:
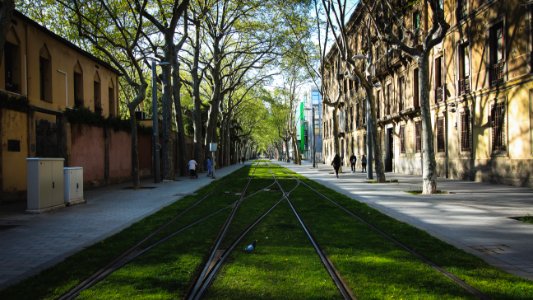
(390, 150)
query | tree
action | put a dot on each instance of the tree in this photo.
(166, 22)
(388, 17)
(348, 67)
(115, 29)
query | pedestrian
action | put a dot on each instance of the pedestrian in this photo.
(336, 163)
(209, 163)
(353, 160)
(192, 168)
(363, 163)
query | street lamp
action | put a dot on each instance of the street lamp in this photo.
(156, 147)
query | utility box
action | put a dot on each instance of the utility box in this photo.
(73, 185)
(45, 184)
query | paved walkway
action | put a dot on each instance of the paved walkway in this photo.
(474, 216)
(30, 243)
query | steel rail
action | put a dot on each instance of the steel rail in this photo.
(206, 282)
(193, 291)
(472, 290)
(131, 255)
(135, 251)
(330, 268)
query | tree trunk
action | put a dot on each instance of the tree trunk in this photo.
(429, 176)
(176, 87)
(166, 109)
(214, 107)
(295, 149)
(141, 94)
(336, 144)
(376, 146)
(197, 112)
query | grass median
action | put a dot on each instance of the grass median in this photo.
(284, 264)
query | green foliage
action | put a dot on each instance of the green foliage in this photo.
(14, 101)
(85, 116)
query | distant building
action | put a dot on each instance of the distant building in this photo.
(313, 102)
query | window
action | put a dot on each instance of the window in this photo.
(439, 90)
(12, 67)
(440, 134)
(378, 104)
(389, 99)
(363, 114)
(416, 21)
(464, 68)
(462, 9)
(351, 118)
(497, 118)
(78, 86)
(465, 131)
(97, 92)
(402, 139)
(497, 54)
(418, 140)
(530, 38)
(357, 116)
(401, 89)
(416, 103)
(45, 75)
(111, 94)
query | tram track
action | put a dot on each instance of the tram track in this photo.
(218, 256)
(137, 249)
(459, 282)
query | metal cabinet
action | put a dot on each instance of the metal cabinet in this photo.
(73, 185)
(45, 184)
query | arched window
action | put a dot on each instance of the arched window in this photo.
(78, 85)
(45, 74)
(12, 62)
(111, 97)
(97, 92)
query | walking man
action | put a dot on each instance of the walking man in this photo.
(336, 163)
(353, 160)
(209, 163)
(192, 168)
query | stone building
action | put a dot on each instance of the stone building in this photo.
(42, 75)
(481, 94)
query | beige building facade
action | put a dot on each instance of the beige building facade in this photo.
(481, 95)
(41, 76)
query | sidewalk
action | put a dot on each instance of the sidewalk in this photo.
(474, 216)
(30, 243)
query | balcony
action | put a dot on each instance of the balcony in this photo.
(464, 85)
(497, 74)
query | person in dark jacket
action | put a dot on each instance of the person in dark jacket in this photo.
(336, 163)
(353, 160)
(363, 163)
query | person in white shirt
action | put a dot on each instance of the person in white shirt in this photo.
(192, 168)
